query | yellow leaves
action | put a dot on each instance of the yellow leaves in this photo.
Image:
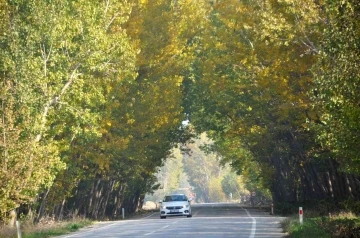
(178, 80)
(160, 121)
(102, 162)
(255, 129)
(143, 2)
(162, 30)
(337, 99)
(220, 46)
(129, 119)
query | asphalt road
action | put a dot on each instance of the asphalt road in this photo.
(208, 221)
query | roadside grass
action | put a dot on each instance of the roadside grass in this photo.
(45, 230)
(341, 225)
(309, 228)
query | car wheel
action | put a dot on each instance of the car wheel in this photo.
(189, 215)
(162, 217)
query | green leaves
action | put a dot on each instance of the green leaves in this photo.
(102, 88)
(337, 84)
(55, 62)
(133, 118)
(250, 88)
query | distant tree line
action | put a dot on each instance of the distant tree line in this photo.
(192, 170)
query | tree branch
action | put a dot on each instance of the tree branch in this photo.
(55, 100)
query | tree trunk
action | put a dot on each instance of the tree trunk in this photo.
(12, 218)
(107, 196)
(42, 206)
(118, 200)
(93, 194)
(60, 214)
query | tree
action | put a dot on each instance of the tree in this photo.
(337, 84)
(139, 121)
(234, 184)
(171, 177)
(216, 193)
(54, 61)
(249, 89)
(201, 168)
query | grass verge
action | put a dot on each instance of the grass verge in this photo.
(45, 230)
(310, 228)
(341, 225)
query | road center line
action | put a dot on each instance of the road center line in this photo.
(196, 213)
(162, 228)
(149, 215)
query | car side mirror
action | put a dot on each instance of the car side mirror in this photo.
(190, 199)
(160, 201)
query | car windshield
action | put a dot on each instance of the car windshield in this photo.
(173, 198)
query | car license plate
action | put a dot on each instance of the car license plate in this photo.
(174, 210)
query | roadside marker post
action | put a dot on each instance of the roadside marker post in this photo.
(18, 229)
(123, 213)
(272, 208)
(301, 215)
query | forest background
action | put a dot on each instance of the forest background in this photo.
(93, 95)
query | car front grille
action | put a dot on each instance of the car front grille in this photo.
(175, 213)
(176, 207)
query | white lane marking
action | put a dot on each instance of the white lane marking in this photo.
(274, 219)
(253, 226)
(94, 229)
(162, 228)
(196, 213)
(149, 215)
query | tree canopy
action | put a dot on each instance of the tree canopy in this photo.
(93, 96)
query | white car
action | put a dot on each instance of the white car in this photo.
(175, 205)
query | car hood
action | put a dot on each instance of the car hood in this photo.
(177, 203)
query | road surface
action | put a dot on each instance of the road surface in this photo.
(208, 221)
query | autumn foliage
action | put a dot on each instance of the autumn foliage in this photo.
(93, 95)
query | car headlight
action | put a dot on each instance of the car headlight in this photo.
(185, 206)
(163, 207)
